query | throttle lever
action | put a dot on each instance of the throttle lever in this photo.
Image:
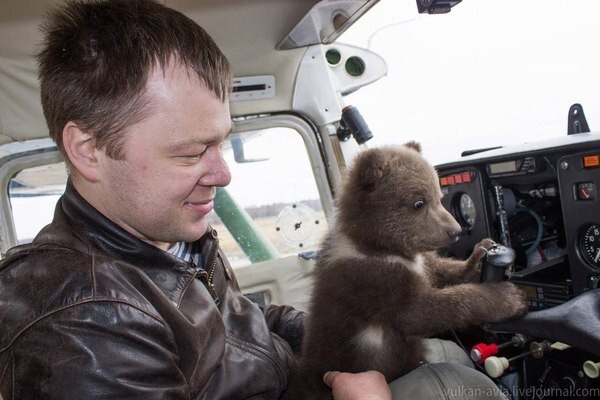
(497, 263)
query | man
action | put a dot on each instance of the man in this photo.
(126, 294)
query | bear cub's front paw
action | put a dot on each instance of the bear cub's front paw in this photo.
(510, 301)
(475, 260)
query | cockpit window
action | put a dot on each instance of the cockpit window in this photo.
(272, 206)
(33, 194)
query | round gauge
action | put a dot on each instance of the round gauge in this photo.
(298, 225)
(589, 244)
(464, 209)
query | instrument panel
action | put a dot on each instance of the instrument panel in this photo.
(541, 200)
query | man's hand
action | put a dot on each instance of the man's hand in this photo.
(370, 385)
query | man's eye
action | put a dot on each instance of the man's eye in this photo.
(195, 156)
(189, 158)
(419, 204)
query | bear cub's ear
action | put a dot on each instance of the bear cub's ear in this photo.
(413, 145)
(372, 167)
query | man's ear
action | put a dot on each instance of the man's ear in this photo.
(81, 150)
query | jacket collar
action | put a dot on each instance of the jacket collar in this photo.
(93, 230)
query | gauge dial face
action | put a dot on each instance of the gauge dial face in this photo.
(589, 244)
(465, 210)
(586, 191)
(298, 225)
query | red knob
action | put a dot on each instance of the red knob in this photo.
(480, 352)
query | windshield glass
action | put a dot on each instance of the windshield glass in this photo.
(486, 74)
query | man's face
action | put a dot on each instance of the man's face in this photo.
(164, 189)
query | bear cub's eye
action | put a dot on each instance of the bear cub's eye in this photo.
(419, 204)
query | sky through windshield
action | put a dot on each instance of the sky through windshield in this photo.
(487, 74)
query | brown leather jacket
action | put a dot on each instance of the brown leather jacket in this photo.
(89, 311)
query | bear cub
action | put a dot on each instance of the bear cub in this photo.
(380, 287)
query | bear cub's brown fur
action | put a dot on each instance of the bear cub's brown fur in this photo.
(380, 288)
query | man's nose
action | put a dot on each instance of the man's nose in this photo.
(219, 174)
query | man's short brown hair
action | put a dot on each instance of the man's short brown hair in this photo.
(97, 56)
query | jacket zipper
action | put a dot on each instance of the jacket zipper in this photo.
(211, 273)
(208, 276)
